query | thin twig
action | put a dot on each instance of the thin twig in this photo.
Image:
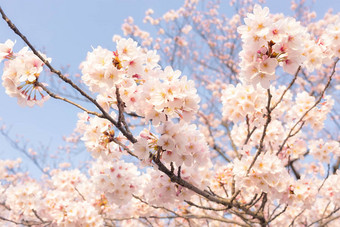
(329, 215)
(327, 175)
(231, 139)
(278, 214)
(290, 134)
(124, 147)
(294, 219)
(204, 207)
(53, 95)
(215, 147)
(250, 203)
(16, 146)
(226, 202)
(289, 86)
(264, 131)
(249, 133)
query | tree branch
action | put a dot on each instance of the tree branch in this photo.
(53, 95)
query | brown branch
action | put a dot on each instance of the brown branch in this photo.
(249, 133)
(296, 159)
(226, 202)
(336, 166)
(296, 173)
(26, 223)
(242, 216)
(81, 195)
(153, 206)
(204, 207)
(53, 95)
(124, 147)
(250, 203)
(224, 189)
(37, 216)
(121, 106)
(263, 203)
(234, 195)
(4, 205)
(278, 214)
(330, 220)
(8, 220)
(324, 211)
(294, 219)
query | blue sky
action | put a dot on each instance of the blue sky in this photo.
(65, 30)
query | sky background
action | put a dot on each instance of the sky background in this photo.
(65, 30)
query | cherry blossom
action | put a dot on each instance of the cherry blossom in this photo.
(209, 120)
(20, 77)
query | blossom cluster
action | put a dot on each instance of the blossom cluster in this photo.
(97, 134)
(118, 180)
(70, 198)
(68, 201)
(243, 164)
(26, 197)
(331, 189)
(180, 143)
(144, 87)
(21, 74)
(6, 167)
(270, 41)
(246, 101)
(324, 151)
(62, 200)
(159, 186)
(111, 190)
(246, 106)
(267, 175)
(241, 101)
(331, 38)
(303, 107)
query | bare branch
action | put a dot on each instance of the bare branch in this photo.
(53, 95)
(23, 150)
